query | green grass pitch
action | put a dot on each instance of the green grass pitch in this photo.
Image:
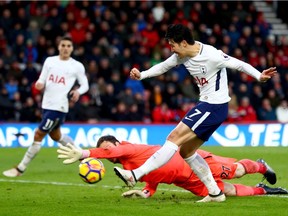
(51, 188)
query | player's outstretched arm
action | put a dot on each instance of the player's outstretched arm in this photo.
(267, 74)
(71, 154)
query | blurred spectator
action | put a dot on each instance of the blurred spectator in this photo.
(30, 52)
(273, 98)
(162, 114)
(136, 86)
(188, 89)
(17, 105)
(156, 98)
(233, 115)
(158, 11)
(256, 96)
(150, 37)
(11, 87)
(121, 113)
(282, 112)
(3, 41)
(134, 114)
(266, 111)
(24, 89)
(30, 112)
(6, 105)
(245, 111)
(126, 97)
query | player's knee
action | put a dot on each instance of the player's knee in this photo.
(39, 135)
(229, 189)
(55, 135)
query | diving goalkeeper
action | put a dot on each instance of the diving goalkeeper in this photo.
(176, 171)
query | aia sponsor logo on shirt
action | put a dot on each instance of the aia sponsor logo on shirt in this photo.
(201, 80)
(57, 79)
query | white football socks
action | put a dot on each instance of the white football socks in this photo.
(66, 139)
(158, 159)
(31, 152)
(202, 170)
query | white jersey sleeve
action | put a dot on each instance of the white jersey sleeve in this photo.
(233, 63)
(208, 68)
(160, 68)
(59, 77)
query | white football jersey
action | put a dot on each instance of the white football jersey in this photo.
(59, 77)
(208, 68)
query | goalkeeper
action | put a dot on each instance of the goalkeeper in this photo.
(176, 171)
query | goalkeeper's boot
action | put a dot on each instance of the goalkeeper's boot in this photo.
(269, 175)
(126, 175)
(214, 198)
(14, 172)
(270, 190)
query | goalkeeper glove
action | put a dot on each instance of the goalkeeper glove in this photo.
(137, 193)
(71, 154)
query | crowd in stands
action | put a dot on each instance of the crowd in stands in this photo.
(112, 37)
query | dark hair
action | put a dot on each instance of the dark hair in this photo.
(66, 38)
(109, 138)
(178, 33)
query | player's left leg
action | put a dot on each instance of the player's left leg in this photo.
(57, 136)
(203, 120)
(247, 166)
(244, 190)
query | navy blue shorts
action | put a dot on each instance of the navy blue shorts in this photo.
(205, 118)
(51, 119)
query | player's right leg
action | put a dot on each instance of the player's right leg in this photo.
(158, 159)
(30, 154)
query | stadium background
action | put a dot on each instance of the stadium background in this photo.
(111, 37)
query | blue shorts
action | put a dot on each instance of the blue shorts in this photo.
(51, 120)
(205, 118)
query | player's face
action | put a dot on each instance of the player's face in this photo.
(65, 49)
(108, 145)
(176, 48)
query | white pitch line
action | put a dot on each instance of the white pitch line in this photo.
(105, 186)
(78, 185)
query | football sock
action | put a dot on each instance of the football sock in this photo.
(253, 166)
(202, 170)
(158, 159)
(243, 190)
(66, 139)
(31, 152)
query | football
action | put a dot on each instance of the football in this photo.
(91, 170)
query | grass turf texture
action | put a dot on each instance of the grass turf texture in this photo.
(51, 188)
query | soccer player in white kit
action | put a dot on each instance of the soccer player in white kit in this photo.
(57, 78)
(207, 66)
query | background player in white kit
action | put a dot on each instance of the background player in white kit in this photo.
(208, 67)
(57, 78)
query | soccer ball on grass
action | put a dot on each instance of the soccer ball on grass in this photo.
(91, 170)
